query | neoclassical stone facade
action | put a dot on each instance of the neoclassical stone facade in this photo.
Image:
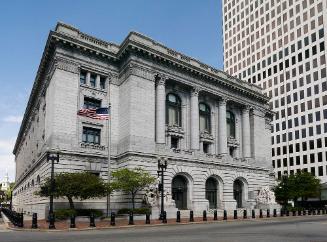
(213, 129)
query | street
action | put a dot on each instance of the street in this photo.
(275, 229)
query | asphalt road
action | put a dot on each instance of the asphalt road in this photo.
(297, 229)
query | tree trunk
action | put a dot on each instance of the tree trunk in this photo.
(133, 201)
(71, 203)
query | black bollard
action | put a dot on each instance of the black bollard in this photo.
(253, 213)
(178, 217)
(147, 218)
(304, 212)
(225, 214)
(113, 219)
(51, 221)
(268, 213)
(22, 220)
(287, 212)
(164, 219)
(299, 213)
(245, 214)
(260, 213)
(323, 211)
(294, 213)
(34, 221)
(131, 218)
(314, 212)
(235, 214)
(309, 212)
(282, 212)
(215, 215)
(275, 212)
(191, 216)
(72, 221)
(92, 222)
(204, 215)
(318, 212)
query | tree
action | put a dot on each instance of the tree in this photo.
(301, 185)
(131, 181)
(80, 185)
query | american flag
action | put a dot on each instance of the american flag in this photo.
(95, 113)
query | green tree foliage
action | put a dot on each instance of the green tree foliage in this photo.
(301, 185)
(80, 185)
(131, 181)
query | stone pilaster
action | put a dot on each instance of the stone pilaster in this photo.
(246, 137)
(97, 81)
(160, 109)
(195, 133)
(222, 127)
(88, 77)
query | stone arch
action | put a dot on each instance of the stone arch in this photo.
(240, 191)
(185, 173)
(219, 187)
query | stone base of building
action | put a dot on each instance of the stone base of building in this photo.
(269, 206)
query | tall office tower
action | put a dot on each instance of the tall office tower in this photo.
(280, 45)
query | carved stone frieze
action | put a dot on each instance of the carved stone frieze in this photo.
(67, 65)
(174, 130)
(92, 146)
(205, 136)
(232, 142)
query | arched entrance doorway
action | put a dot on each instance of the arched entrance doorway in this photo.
(238, 192)
(179, 192)
(211, 192)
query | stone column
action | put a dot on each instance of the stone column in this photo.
(88, 77)
(237, 136)
(222, 127)
(195, 133)
(246, 138)
(160, 109)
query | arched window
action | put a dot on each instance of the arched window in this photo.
(173, 110)
(204, 112)
(230, 118)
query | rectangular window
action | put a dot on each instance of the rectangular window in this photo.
(320, 171)
(91, 103)
(91, 135)
(82, 77)
(102, 82)
(93, 80)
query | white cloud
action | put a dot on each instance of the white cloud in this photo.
(7, 145)
(7, 164)
(13, 119)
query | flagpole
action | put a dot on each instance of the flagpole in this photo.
(109, 147)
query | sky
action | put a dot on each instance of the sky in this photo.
(193, 27)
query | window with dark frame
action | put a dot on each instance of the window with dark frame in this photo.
(91, 135)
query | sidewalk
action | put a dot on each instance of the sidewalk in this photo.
(105, 224)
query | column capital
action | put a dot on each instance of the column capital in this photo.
(247, 108)
(160, 79)
(222, 101)
(195, 91)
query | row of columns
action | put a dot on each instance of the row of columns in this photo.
(195, 134)
(97, 80)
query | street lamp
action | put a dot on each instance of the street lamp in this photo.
(162, 167)
(52, 158)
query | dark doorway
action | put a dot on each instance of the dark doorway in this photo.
(238, 190)
(179, 192)
(211, 192)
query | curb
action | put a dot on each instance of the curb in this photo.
(150, 225)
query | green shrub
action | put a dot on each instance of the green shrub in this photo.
(135, 211)
(62, 214)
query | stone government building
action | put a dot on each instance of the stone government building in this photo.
(214, 129)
